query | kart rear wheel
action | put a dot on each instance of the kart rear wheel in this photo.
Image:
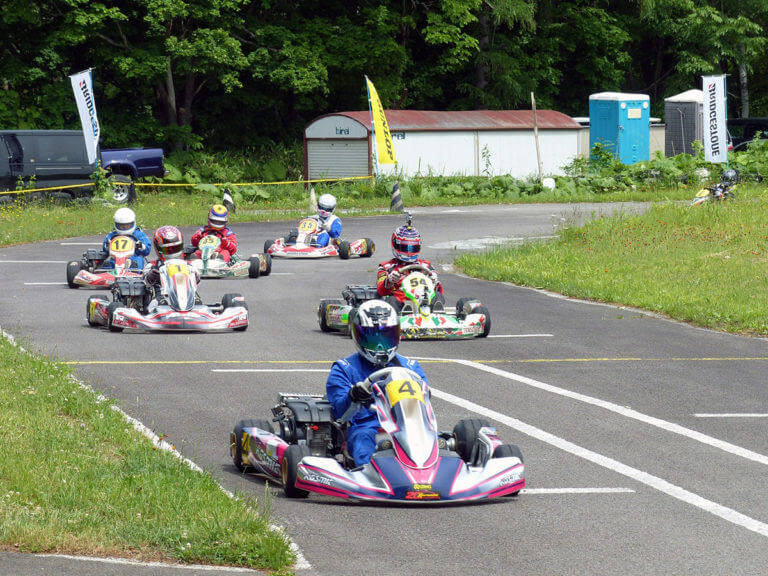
(255, 268)
(369, 248)
(487, 328)
(110, 315)
(236, 443)
(72, 269)
(465, 433)
(289, 469)
(344, 250)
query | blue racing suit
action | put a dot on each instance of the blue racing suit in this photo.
(138, 257)
(330, 230)
(345, 373)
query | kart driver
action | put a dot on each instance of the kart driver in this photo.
(169, 244)
(218, 218)
(125, 225)
(328, 223)
(406, 245)
(375, 329)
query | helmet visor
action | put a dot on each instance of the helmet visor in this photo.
(124, 226)
(408, 248)
(376, 338)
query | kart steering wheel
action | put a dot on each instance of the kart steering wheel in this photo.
(374, 378)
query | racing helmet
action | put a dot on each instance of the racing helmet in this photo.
(326, 204)
(730, 176)
(218, 216)
(375, 329)
(125, 221)
(168, 242)
(406, 244)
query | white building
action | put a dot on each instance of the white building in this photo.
(469, 143)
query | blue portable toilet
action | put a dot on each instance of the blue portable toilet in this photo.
(622, 123)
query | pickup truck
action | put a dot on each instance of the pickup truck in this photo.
(51, 158)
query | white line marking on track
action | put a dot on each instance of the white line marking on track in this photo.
(733, 415)
(82, 243)
(269, 370)
(577, 491)
(623, 411)
(125, 561)
(282, 273)
(659, 484)
(33, 261)
(520, 335)
(45, 283)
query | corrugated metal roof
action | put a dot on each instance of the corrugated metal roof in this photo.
(432, 120)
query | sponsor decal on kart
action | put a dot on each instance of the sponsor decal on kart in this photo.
(422, 495)
(317, 479)
(510, 478)
(263, 459)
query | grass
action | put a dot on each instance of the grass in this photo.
(76, 478)
(705, 265)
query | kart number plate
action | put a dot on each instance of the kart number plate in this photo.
(209, 240)
(401, 389)
(174, 269)
(122, 244)
(308, 225)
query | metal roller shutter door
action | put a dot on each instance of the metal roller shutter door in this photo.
(337, 158)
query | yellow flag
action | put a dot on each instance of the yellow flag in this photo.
(384, 147)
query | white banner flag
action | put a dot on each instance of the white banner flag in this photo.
(82, 84)
(715, 115)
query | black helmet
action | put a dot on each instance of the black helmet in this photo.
(730, 176)
(375, 329)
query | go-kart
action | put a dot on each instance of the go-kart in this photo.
(88, 272)
(174, 306)
(423, 315)
(209, 265)
(298, 244)
(413, 462)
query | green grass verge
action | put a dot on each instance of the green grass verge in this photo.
(76, 478)
(705, 265)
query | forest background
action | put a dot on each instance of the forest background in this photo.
(248, 75)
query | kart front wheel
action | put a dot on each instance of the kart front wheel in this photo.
(236, 440)
(72, 270)
(289, 470)
(369, 248)
(344, 250)
(466, 432)
(255, 268)
(229, 300)
(88, 309)
(487, 327)
(268, 245)
(507, 451)
(322, 309)
(110, 316)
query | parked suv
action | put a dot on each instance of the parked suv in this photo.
(53, 158)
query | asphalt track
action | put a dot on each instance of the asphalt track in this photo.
(644, 439)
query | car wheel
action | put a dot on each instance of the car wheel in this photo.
(236, 439)
(344, 250)
(267, 264)
(487, 328)
(465, 433)
(88, 315)
(289, 470)
(123, 189)
(255, 268)
(110, 315)
(72, 269)
(369, 248)
(268, 245)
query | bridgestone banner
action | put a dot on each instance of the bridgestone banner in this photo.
(385, 150)
(82, 84)
(715, 116)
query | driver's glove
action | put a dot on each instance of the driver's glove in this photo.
(393, 279)
(361, 392)
(326, 225)
(139, 246)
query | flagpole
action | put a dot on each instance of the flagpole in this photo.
(725, 97)
(373, 130)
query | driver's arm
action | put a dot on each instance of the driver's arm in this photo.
(337, 388)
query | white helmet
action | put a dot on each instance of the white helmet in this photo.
(125, 221)
(375, 329)
(326, 204)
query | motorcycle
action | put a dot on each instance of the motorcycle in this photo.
(414, 462)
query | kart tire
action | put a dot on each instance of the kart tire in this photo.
(344, 250)
(460, 307)
(236, 447)
(487, 328)
(267, 264)
(507, 450)
(125, 193)
(255, 268)
(110, 314)
(268, 245)
(228, 301)
(289, 469)
(72, 269)
(370, 247)
(321, 317)
(465, 433)
(88, 316)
